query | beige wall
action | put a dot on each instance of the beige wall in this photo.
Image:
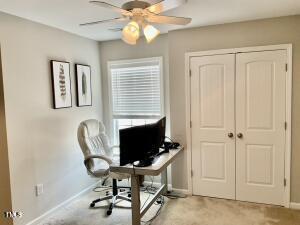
(5, 194)
(118, 50)
(42, 142)
(262, 32)
(254, 33)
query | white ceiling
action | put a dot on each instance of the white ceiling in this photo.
(67, 14)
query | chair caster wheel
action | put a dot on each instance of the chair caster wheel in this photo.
(92, 205)
(108, 212)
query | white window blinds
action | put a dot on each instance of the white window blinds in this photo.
(136, 89)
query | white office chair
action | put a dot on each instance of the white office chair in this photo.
(98, 154)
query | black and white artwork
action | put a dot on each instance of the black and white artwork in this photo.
(61, 83)
(83, 80)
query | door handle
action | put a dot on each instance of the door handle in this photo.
(239, 135)
(230, 135)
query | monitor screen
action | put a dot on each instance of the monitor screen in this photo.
(141, 142)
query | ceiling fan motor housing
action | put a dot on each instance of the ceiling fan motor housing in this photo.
(129, 6)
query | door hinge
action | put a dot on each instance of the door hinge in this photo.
(190, 73)
(192, 174)
(284, 182)
(286, 67)
(285, 125)
(190, 124)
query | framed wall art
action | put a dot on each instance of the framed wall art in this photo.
(83, 83)
(61, 83)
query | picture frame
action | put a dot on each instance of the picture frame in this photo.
(83, 85)
(61, 84)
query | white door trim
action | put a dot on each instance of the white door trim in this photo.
(288, 48)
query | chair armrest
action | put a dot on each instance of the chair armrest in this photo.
(106, 159)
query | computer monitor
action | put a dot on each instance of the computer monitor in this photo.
(141, 142)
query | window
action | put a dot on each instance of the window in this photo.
(136, 93)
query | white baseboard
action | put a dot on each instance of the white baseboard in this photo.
(294, 205)
(47, 214)
(182, 191)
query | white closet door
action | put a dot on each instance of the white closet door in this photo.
(260, 118)
(212, 115)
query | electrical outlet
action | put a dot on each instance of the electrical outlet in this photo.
(39, 189)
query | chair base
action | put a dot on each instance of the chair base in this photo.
(113, 197)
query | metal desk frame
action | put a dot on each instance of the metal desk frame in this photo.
(158, 167)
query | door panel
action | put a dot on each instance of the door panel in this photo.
(259, 155)
(211, 104)
(259, 96)
(260, 117)
(213, 152)
(212, 115)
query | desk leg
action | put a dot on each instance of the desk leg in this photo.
(135, 200)
(164, 180)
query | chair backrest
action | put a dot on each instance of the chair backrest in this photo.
(93, 141)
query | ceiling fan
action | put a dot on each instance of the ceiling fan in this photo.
(140, 14)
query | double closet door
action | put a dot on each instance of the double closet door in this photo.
(238, 126)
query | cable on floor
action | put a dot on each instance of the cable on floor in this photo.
(162, 202)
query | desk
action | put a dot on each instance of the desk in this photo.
(159, 166)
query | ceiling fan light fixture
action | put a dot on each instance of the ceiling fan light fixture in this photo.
(131, 33)
(129, 40)
(140, 13)
(150, 33)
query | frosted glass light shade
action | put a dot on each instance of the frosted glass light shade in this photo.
(129, 40)
(131, 33)
(150, 33)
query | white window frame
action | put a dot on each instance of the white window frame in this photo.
(110, 64)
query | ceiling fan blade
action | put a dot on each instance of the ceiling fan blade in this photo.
(115, 29)
(112, 7)
(165, 5)
(168, 20)
(120, 19)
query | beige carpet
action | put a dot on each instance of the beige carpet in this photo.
(189, 211)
